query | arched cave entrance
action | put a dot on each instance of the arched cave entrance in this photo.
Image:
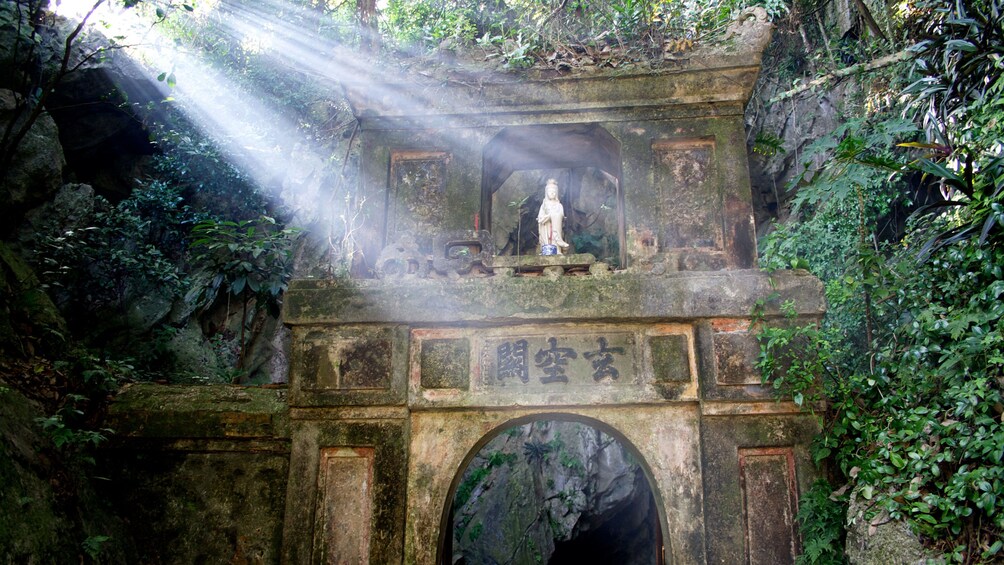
(552, 489)
(585, 159)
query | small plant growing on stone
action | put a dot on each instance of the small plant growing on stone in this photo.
(251, 259)
(93, 545)
(71, 440)
(536, 451)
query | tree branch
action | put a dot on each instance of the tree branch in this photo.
(10, 144)
(870, 22)
(879, 63)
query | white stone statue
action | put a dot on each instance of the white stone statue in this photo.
(550, 217)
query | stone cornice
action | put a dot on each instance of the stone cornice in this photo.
(495, 300)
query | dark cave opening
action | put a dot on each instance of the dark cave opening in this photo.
(629, 535)
(556, 492)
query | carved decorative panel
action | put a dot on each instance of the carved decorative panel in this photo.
(348, 360)
(446, 363)
(769, 504)
(417, 203)
(690, 201)
(670, 358)
(345, 484)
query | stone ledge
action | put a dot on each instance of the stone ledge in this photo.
(622, 296)
(199, 411)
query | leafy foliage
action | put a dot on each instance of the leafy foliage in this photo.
(202, 175)
(821, 522)
(126, 251)
(536, 451)
(68, 435)
(425, 23)
(912, 351)
(248, 257)
(526, 32)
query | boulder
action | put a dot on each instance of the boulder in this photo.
(194, 355)
(15, 42)
(882, 540)
(29, 314)
(36, 171)
(70, 209)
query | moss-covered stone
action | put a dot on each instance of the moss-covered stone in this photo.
(887, 542)
(28, 304)
(200, 471)
(675, 296)
(48, 507)
(199, 505)
(670, 358)
(388, 439)
(723, 439)
(158, 411)
(31, 527)
(348, 365)
(446, 363)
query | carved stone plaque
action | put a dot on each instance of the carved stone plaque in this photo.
(769, 500)
(345, 505)
(559, 360)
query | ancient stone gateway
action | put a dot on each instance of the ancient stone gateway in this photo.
(398, 385)
(398, 381)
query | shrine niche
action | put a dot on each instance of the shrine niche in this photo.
(585, 161)
(651, 172)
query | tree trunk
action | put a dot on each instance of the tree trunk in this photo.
(369, 35)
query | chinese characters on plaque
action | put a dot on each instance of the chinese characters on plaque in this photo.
(557, 359)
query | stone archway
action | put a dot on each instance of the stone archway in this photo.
(585, 511)
(664, 440)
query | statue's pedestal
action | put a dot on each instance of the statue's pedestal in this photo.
(550, 265)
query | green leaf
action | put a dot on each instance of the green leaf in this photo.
(897, 460)
(867, 492)
(960, 45)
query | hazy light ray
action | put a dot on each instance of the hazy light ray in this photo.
(319, 54)
(321, 57)
(265, 144)
(259, 139)
(325, 58)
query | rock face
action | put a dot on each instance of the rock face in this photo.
(882, 541)
(554, 492)
(106, 144)
(48, 512)
(37, 169)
